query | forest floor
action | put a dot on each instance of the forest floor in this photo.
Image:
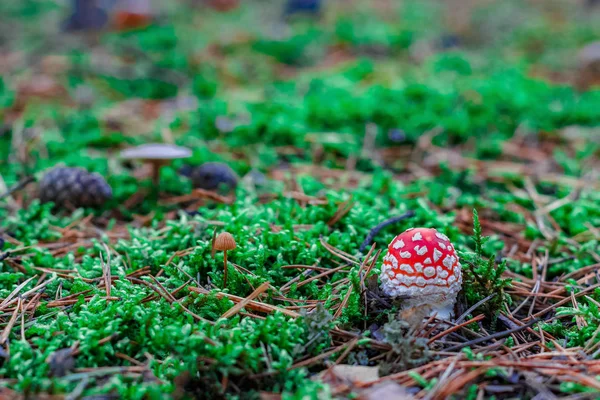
(334, 125)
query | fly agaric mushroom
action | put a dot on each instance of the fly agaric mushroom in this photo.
(224, 242)
(157, 155)
(422, 267)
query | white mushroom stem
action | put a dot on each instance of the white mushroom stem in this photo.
(414, 310)
(444, 312)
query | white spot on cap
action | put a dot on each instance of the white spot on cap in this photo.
(407, 280)
(436, 255)
(442, 245)
(417, 236)
(393, 260)
(442, 236)
(442, 273)
(451, 280)
(421, 250)
(428, 260)
(418, 267)
(398, 244)
(407, 268)
(406, 254)
(421, 281)
(449, 261)
(429, 272)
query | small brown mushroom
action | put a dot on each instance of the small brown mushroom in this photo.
(157, 155)
(224, 242)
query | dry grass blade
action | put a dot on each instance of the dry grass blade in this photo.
(106, 271)
(235, 309)
(11, 323)
(497, 335)
(338, 253)
(343, 209)
(455, 328)
(165, 291)
(321, 275)
(320, 357)
(16, 291)
(253, 305)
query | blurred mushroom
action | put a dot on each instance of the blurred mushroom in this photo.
(588, 73)
(224, 242)
(422, 267)
(211, 176)
(156, 155)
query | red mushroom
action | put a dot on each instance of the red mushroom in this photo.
(422, 267)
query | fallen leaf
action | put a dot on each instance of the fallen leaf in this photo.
(351, 373)
(386, 390)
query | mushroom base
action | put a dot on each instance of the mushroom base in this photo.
(414, 310)
(431, 294)
(436, 301)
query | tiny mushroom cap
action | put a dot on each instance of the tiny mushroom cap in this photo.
(156, 151)
(156, 154)
(421, 265)
(224, 242)
(590, 53)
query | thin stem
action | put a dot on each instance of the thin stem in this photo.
(156, 166)
(156, 173)
(225, 270)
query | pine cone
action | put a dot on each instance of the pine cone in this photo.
(74, 186)
(211, 176)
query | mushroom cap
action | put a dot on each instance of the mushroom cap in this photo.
(224, 241)
(156, 151)
(421, 263)
(590, 53)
